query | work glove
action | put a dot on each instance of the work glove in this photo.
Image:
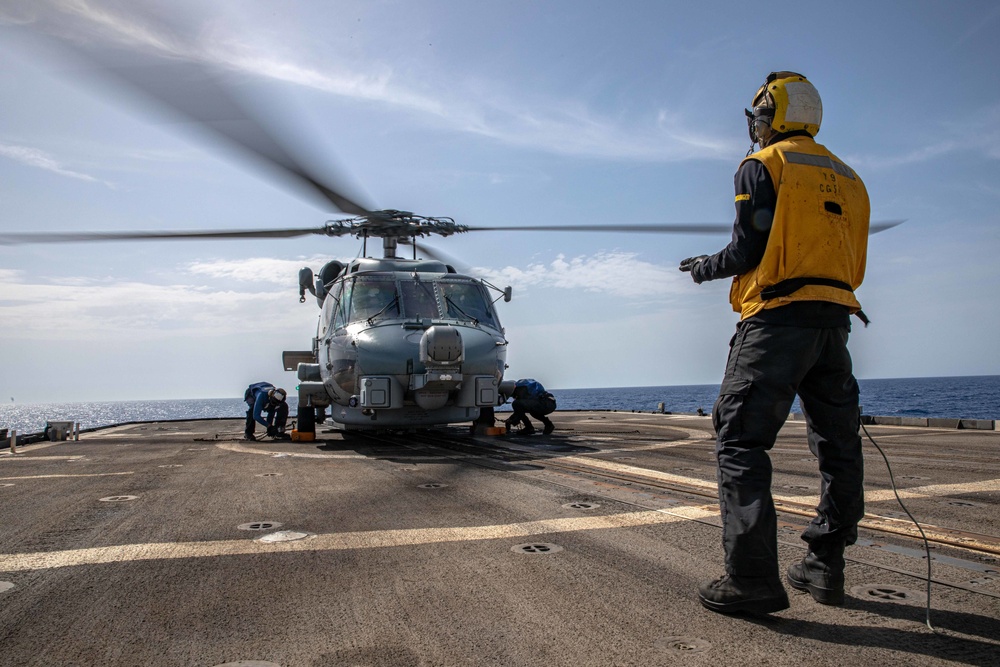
(690, 263)
(272, 432)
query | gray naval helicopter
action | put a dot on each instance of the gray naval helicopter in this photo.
(401, 342)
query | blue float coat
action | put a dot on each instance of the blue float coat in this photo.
(258, 393)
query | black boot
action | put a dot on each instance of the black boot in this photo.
(730, 594)
(821, 573)
(549, 426)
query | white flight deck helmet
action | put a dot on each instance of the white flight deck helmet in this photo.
(276, 396)
(785, 103)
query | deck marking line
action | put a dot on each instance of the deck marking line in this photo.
(871, 495)
(635, 470)
(342, 541)
(96, 474)
(29, 457)
(930, 491)
(33, 446)
(243, 449)
(667, 444)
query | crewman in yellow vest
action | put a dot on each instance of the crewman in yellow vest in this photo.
(797, 255)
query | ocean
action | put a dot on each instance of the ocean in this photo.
(973, 397)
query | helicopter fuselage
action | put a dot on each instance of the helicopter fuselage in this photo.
(401, 343)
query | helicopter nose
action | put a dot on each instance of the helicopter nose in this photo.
(441, 345)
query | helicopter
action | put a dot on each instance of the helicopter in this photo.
(400, 342)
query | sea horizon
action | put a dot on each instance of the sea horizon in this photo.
(637, 386)
(962, 396)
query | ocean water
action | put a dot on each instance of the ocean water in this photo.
(975, 397)
(971, 397)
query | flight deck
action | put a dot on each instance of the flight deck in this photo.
(179, 543)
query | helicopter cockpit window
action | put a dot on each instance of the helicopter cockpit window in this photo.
(466, 301)
(419, 301)
(342, 305)
(331, 310)
(372, 297)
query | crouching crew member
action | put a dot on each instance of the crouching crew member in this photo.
(266, 406)
(797, 255)
(530, 397)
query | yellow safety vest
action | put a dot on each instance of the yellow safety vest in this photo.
(818, 244)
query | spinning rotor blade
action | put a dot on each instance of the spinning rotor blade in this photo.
(83, 237)
(178, 77)
(17, 238)
(882, 225)
(712, 228)
(192, 91)
(437, 255)
(656, 229)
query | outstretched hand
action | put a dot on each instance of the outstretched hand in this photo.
(690, 262)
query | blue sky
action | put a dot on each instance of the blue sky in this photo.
(495, 114)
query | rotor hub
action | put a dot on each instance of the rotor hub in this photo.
(391, 223)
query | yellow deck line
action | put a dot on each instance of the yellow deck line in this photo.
(96, 474)
(342, 541)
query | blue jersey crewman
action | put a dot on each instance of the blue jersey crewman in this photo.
(266, 405)
(530, 398)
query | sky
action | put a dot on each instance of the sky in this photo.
(495, 114)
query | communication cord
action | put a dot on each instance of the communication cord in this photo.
(927, 547)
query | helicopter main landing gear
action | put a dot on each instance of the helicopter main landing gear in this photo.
(308, 416)
(307, 419)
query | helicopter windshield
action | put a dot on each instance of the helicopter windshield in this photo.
(466, 301)
(419, 300)
(371, 297)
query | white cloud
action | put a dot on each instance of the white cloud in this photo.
(81, 309)
(974, 132)
(257, 269)
(555, 125)
(618, 274)
(916, 156)
(34, 157)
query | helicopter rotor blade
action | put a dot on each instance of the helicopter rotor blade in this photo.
(188, 89)
(178, 78)
(882, 225)
(84, 237)
(18, 238)
(710, 228)
(656, 229)
(438, 255)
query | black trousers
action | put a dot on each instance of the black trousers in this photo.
(279, 419)
(768, 365)
(536, 407)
